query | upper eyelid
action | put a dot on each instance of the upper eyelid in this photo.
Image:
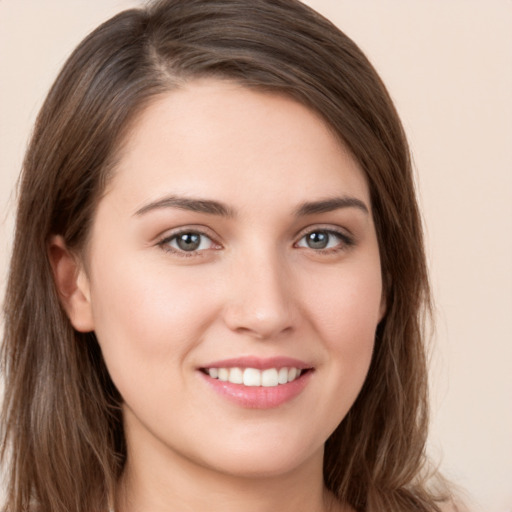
(338, 230)
(164, 243)
(346, 240)
(201, 230)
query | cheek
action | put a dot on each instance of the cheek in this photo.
(348, 305)
(345, 315)
(144, 317)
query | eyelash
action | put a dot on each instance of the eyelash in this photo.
(165, 243)
(345, 242)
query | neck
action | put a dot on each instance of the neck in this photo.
(180, 484)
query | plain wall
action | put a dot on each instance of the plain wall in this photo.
(448, 66)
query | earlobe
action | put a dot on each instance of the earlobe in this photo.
(72, 284)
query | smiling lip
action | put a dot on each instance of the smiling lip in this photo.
(255, 396)
(259, 363)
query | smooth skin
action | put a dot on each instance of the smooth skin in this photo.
(236, 224)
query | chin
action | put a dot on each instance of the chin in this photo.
(259, 460)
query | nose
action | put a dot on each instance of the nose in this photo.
(260, 298)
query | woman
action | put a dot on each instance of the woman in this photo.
(218, 277)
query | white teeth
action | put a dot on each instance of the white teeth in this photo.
(236, 376)
(253, 377)
(282, 377)
(269, 378)
(292, 374)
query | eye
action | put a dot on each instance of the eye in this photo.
(188, 242)
(323, 239)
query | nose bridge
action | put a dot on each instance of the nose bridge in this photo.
(260, 301)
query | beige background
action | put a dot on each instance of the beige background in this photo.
(448, 65)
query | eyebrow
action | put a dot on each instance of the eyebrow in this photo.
(217, 208)
(329, 205)
(190, 204)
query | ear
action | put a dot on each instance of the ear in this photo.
(72, 284)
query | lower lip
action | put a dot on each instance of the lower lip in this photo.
(258, 397)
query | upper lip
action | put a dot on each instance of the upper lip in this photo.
(259, 363)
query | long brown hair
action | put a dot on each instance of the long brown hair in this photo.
(63, 438)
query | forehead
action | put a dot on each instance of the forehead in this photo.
(215, 137)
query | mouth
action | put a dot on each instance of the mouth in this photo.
(257, 383)
(254, 377)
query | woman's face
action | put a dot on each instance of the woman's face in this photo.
(235, 242)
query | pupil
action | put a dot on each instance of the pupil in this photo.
(189, 241)
(318, 240)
